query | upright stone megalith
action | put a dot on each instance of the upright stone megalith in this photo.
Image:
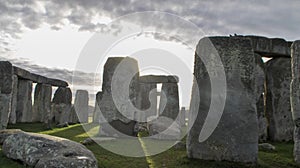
(6, 87)
(147, 97)
(169, 105)
(260, 104)
(97, 117)
(278, 109)
(118, 124)
(226, 132)
(42, 103)
(61, 105)
(24, 101)
(295, 96)
(13, 115)
(81, 105)
(167, 125)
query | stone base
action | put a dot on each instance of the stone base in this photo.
(164, 128)
(117, 129)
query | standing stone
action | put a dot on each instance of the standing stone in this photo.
(73, 118)
(295, 97)
(97, 117)
(235, 135)
(24, 101)
(169, 104)
(168, 112)
(6, 87)
(42, 103)
(182, 116)
(13, 115)
(81, 105)
(114, 118)
(260, 104)
(147, 97)
(278, 109)
(61, 105)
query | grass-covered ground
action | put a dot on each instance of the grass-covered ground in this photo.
(281, 158)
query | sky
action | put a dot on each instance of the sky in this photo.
(55, 38)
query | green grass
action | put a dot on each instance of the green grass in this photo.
(282, 157)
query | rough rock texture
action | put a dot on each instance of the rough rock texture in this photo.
(24, 101)
(147, 96)
(169, 104)
(295, 97)
(182, 116)
(42, 103)
(14, 94)
(6, 83)
(62, 95)
(235, 136)
(43, 151)
(6, 133)
(117, 128)
(61, 105)
(164, 128)
(81, 105)
(97, 113)
(278, 107)
(107, 104)
(272, 47)
(73, 118)
(5, 108)
(260, 89)
(6, 80)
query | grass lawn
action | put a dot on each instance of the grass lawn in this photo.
(281, 158)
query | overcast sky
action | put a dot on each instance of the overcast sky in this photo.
(48, 36)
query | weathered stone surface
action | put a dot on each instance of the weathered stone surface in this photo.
(42, 103)
(60, 113)
(62, 95)
(23, 74)
(61, 105)
(107, 104)
(147, 97)
(24, 101)
(260, 89)
(6, 80)
(5, 108)
(42, 151)
(117, 128)
(278, 107)
(73, 118)
(169, 101)
(14, 97)
(272, 47)
(6, 89)
(81, 105)
(164, 128)
(235, 137)
(159, 79)
(97, 117)
(182, 116)
(6, 133)
(295, 96)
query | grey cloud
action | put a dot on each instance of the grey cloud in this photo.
(81, 78)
